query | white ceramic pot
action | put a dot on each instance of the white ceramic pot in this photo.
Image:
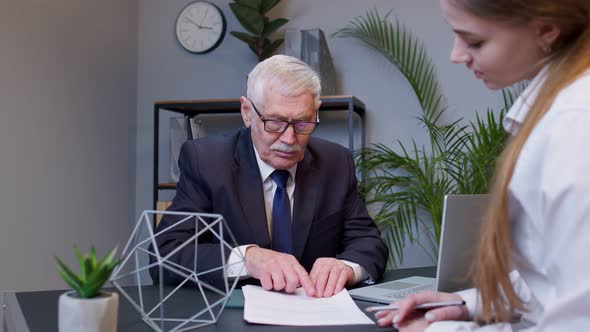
(97, 314)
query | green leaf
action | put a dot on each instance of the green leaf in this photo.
(249, 18)
(96, 280)
(271, 48)
(253, 4)
(273, 26)
(108, 259)
(94, 274)
(268, 5)
(252, 41)
(254, 50)
(68, 276)
(92, 257)
(82, 263)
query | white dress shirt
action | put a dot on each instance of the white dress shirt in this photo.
(549, 212)
(268, 187)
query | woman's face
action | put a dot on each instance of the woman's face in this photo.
(499, 54)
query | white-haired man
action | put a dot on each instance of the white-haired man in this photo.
(290, 200)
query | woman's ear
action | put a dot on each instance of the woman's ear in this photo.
(547, 34)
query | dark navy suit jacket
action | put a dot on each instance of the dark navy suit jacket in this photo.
(219, 174)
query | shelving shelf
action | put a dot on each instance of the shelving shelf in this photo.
(192, 108)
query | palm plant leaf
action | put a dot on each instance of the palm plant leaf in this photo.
(408, 186)
(398, 45)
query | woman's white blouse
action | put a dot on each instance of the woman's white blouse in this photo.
(549, 211)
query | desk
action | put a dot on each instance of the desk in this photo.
(37, 312)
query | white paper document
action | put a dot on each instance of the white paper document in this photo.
(297, 309)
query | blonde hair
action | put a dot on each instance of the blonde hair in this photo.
(286, 75)
(568, 60)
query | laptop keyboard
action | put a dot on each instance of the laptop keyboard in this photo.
(400, 294)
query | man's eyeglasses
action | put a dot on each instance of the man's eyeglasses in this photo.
(278, 126)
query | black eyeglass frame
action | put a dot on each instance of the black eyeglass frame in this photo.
(286, 124)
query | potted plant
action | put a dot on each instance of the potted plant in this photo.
(407, 186)
(252, 16)
(87, 308)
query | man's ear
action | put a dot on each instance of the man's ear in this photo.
(548, 33)
(245, 110)
(317, 109)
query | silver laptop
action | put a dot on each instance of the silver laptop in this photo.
(462, 216)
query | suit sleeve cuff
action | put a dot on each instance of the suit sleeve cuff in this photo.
(236, 263)
(360, 274)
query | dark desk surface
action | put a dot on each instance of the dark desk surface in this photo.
(38, 311)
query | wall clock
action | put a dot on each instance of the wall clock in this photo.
(200, 27)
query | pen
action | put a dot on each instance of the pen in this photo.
(427, 305)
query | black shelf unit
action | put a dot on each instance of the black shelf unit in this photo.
(191, 108)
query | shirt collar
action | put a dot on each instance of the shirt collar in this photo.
(519, 110)
(266, 170)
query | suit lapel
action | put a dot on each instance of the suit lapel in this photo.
(304, 202)
(249, 188)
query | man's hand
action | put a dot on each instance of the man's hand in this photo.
(277, 271)
(329, 276)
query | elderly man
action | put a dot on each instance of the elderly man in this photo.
(290, 200)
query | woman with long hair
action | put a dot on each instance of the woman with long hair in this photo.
(531, 259)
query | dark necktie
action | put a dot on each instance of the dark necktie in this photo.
(281, 213)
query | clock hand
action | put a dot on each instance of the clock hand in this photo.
(205, 27)
(196, 24)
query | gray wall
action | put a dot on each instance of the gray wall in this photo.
(167, 72)
(77, 83)
(68, 72)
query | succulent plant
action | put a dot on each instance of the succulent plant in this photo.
(93, 273)
(251, 15)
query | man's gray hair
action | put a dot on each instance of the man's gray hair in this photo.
(286, 75)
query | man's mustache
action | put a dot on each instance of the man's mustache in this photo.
(282, 147)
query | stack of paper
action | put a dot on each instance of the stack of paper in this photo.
(275, 308)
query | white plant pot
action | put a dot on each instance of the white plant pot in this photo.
(98, 314)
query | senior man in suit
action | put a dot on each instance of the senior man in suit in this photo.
(290, 200)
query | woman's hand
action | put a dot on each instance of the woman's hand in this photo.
(415, 322)
(407, 315)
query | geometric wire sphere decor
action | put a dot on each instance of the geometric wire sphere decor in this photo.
(183, 298)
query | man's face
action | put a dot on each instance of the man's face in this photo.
(279, 150)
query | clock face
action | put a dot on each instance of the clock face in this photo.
(200, 27)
